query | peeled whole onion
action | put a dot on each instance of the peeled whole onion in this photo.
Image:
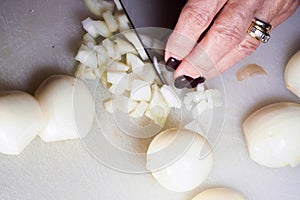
(175, 159)
(68, 107)
(21, 119)
(219, 194)
(292, 74)
(273, 135)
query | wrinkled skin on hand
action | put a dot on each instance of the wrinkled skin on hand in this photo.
(227, 41)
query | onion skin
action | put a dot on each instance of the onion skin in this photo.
(273, 135)
(292, 74)
(249, 71)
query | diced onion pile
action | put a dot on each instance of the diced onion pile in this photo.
(122, 66)
(202, 99)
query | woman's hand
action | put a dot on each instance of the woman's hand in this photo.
(227, 41)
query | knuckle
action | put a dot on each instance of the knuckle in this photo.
(195, 16)
(240, 12)
(286, 6)
(247, 4)
(248, 46)
(227, 34)
(232, 28)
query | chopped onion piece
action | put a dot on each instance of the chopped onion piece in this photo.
(102, 60)
(97, 7)
(109, 46)
(132, 105)
(147, 69)
(98, 72)
(132, 37)
(157, 98)
(120, 87)
(199, 109)
(116, 89)
(118, 5)
(140, 91)
(135, 62)
(117, 66)
(90, 45)
(127, 82)
(102, 56)
(123, 22)
(115, 77)
(158, 108)
(83, 72)
(199, 96)
(170, 96)
(89, 26)
(202, 99)
(159, 115)
(112, 49)
(87, 38)
(87, 56)
(124, 46)
(188, 102)
(117, 55)
(110, 21)
(124, 104)
(100, 49)
(102, 29)
(139, 110)
(200, 88)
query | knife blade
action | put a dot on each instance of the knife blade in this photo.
(136, 24)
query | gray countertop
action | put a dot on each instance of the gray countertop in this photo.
(40, 37)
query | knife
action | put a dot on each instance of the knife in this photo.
(151, 13)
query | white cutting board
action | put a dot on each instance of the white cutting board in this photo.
(40, 38)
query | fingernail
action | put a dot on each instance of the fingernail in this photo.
(182, 81)
(172, 64)
(196, 82)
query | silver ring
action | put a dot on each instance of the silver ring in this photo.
(259, 30)
(262, 24)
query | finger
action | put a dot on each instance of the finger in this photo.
(227, 32)
(279, 10)
(287, 8)
(249, 44)
(242, 50)
(194, 19)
